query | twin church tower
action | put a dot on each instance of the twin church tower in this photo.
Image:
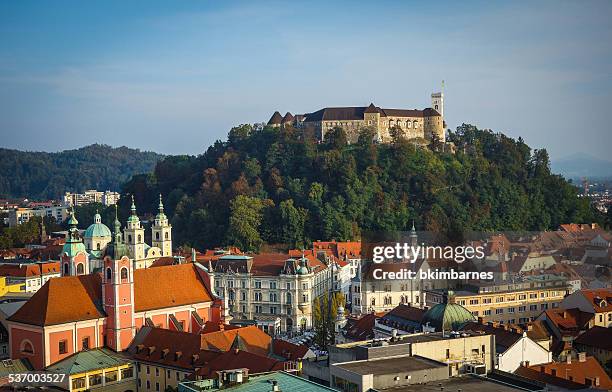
(81, 257)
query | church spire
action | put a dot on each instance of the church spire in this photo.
(117, 227)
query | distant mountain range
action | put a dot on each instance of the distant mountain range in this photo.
(44, 175)
(582, 165)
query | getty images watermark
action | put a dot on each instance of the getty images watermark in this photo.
(482, 256)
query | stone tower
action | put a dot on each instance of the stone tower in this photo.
(437, 102)
(162, 231)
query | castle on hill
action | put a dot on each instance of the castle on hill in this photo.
(424, 124)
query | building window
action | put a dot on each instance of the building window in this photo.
(109, 274)
(85, 343)
(272, 297)
(26, 347)
(257, 284)
(124, 273)
(157, 235)
(288, 298)
(78, 383)
(80, 269)
(95, 379)
(63, 346)
(258, 296)
(128, 372)
(272, 284)
(258, 309)
(272, 309)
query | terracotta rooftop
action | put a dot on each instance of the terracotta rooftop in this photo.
(61, 300)
(579, 371)
(250, 338)
(601, 299)
(75, 298)
(27, 270)
(288, 350)
(569, 321)
(363, 328)
(167, 286)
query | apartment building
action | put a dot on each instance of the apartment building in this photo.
(21, 215)
(508, 302)
(273, 291)
(108, 198)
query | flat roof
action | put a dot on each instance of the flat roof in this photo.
(464, 383)
(390, 365)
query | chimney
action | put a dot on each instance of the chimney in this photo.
(526, 363)
(529, 327)
(275, 387)
(582, 357)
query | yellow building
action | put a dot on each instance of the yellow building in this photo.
(6, 288)
(99, 369)
(512, 303)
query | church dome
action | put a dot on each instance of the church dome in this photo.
(97, 229)
(447, 316)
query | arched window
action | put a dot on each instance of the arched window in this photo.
(288, 298)
(130, 238)
(408, 124)
(157, 235)
(66, 269)
(98, 246)
(373, 302)
(124, 273)
(80, 269)
(26, 347)
(139, 238)
(415, 124)
(166, 235)
(109, 274)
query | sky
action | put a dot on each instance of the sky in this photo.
(173, 77)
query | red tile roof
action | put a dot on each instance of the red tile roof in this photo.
(29, 269)
(569, 321)
(168, 286)
(288, 350)
(154, 288)
(578, 370)
(601, 299)
(251, 338)
(363, 328)
(62, 300)
(237, 359)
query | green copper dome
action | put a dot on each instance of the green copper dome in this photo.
(303, 270)
(447, 316)
(97, 229)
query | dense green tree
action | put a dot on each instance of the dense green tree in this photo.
(272, 185)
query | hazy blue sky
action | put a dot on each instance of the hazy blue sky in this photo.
(174, 76)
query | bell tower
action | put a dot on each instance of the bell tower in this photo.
(74, 256)
(162, 231)
(118, 293)
(134, 235)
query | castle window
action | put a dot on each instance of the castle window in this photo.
(124, 273)
(80, 269)
(109, 274)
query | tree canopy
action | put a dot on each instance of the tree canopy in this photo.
(269, 185)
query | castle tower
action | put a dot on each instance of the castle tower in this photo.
(437, 102)
(74, 257)
(134, 235)
(118, 293)
(162, 231)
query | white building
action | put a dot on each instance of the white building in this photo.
(32, 275)
(274, 291)
(513, 347)
(107, 198)
(21, 215)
